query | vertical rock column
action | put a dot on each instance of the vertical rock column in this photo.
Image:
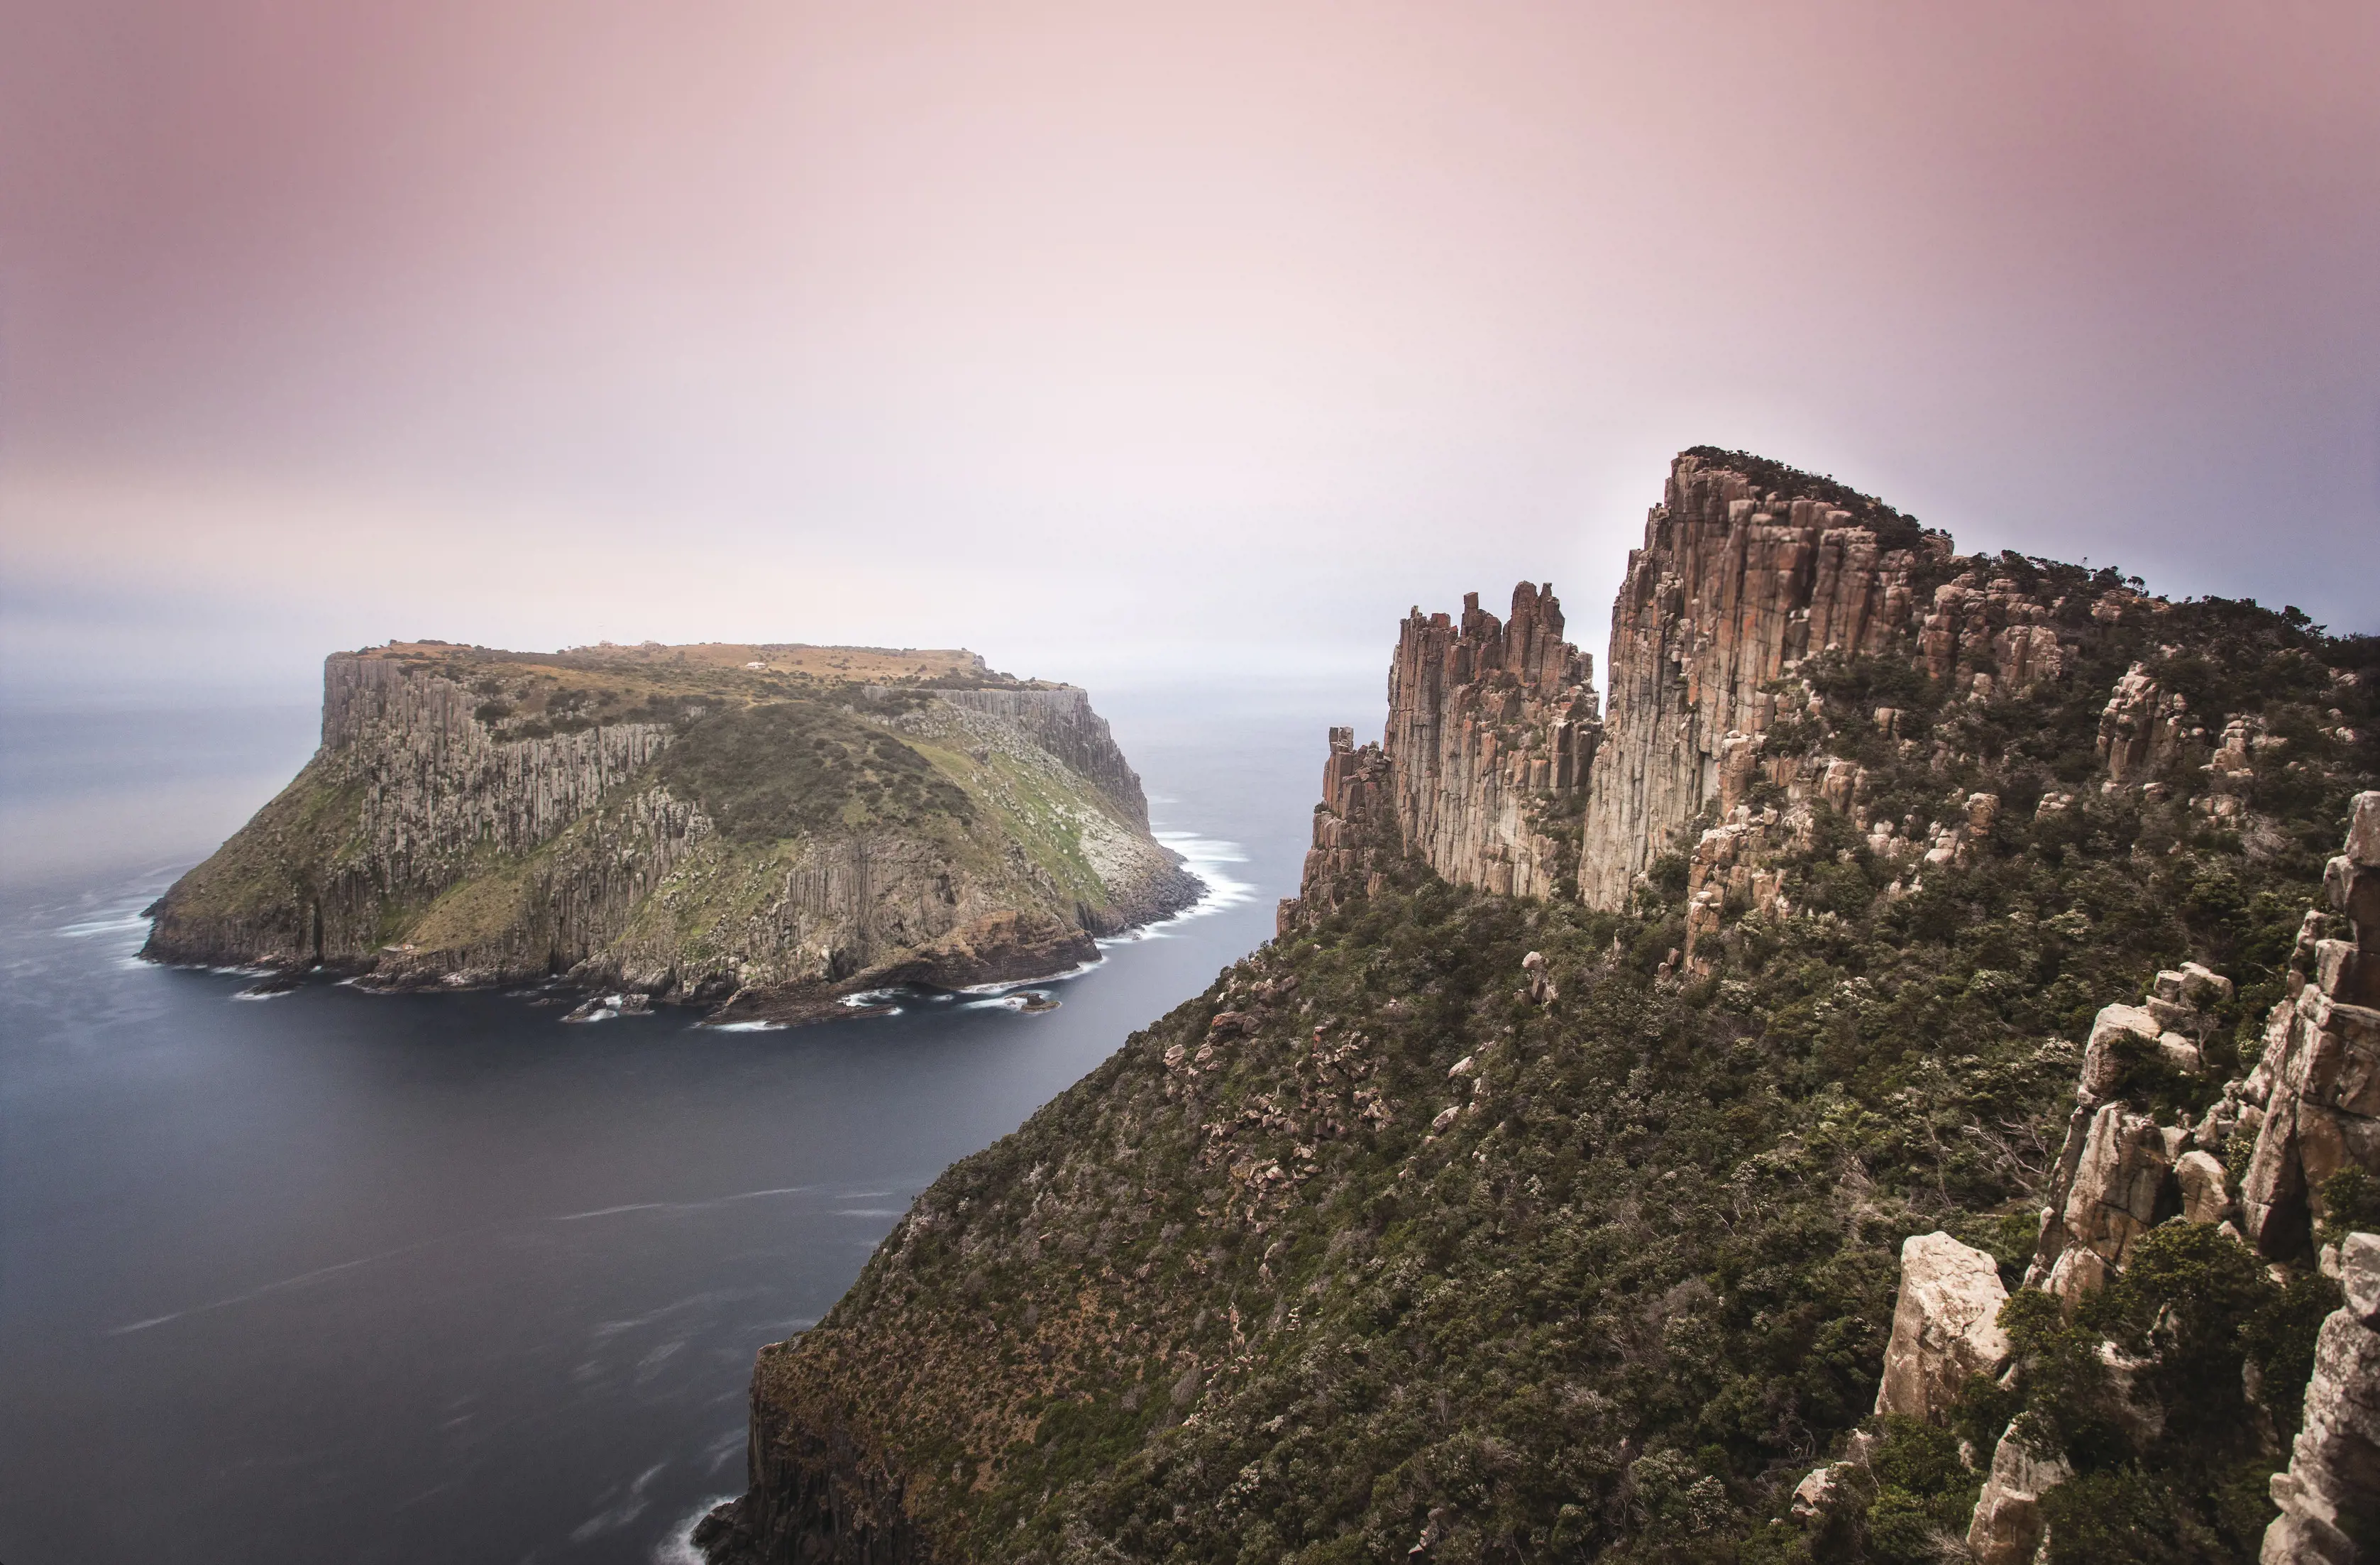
(2330, 1495)
(1492, 727)
(1729, 591)
(2319, 1081)
(1354, 832)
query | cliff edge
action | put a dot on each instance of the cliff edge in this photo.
(1576, 1169)
(751, 828)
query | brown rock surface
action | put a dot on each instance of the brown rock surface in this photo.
(1492, 727)
(1729, 592)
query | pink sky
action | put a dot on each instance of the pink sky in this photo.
(1119, 340)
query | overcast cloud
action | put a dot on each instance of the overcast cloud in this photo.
(1128, 342)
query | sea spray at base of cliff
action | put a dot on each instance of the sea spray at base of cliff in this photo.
(1005, 985)
(1204, 857)
(678, 1547)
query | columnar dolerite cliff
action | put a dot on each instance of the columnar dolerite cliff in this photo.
(1492, 730)
(1740, 584)
(692, 824)
(1496, 1212)
(1735, 585)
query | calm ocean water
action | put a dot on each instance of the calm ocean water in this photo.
(338, 1277)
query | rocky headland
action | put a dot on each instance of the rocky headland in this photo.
(1894, 1085)
(757, 831)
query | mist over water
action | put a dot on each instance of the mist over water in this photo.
(343, 1276)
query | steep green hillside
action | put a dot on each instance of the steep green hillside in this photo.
(1455, 1227)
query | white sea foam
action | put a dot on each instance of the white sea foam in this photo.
(749, 1026)
(1206, 859)
(678, 1547)
(263, 994)
(118, 924)
(1005, 985)
(1016, 1001)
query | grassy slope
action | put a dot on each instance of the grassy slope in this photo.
(1619, 1307)
(782, 778)
(265, 875)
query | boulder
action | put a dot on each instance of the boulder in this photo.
(1945, 1327)
(2359, 1275)
(2206, 1194)
(2364, 831)
(2119, 1032)
(2121, 1186)
(1810, 1496)
(2007, 1527)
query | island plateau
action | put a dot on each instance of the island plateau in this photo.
(756, 829)
(1900, 1084)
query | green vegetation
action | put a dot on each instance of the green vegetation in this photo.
(1256, 1309)
(445, 837)
(1893, 529)
(791, 768)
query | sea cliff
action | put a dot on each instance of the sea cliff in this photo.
(1894, 1082)
(694, 825)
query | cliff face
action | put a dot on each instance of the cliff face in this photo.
(1491, 739)
(729, 837)
(1477, 1219)
(1729, 591)
(1063, 725)
(1491, 734)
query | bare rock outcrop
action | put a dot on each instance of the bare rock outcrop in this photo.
(2330, 1495)
(1732, 588)
(2318, 1083)
(1491, 741)
(1492, 727)
(2119, 1173)
(2008, 1525)
(1945, 1327)
(1355, 836)
(2143, 729)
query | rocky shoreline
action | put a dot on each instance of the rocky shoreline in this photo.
(696, 832)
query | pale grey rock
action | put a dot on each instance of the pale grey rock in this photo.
(2008, 1527)
(2118, 1186)
(2329, 1497)
(2206, 1194)
(2112, 1034)
(1945, 1326)
(2358, 1276)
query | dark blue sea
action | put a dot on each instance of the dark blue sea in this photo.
(332, 1276)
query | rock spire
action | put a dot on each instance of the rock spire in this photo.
(1492, 729)
(1732, 589)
